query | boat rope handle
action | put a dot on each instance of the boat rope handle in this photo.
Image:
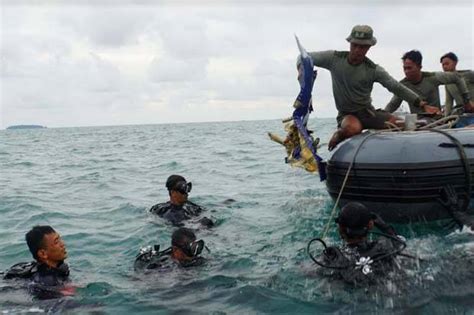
(465, 163)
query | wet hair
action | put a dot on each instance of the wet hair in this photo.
(182, 236)
(413, 55)
(354, 218)
(449, 55)
(34, 238)
(173, 180)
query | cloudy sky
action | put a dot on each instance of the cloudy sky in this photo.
(98, 62)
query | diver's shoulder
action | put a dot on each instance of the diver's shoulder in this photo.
(161, 208)
(195, 262)
(192, 204)
(21, 270)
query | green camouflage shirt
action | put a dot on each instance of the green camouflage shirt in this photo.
(427, 88)
(352, 84)
(453, 93)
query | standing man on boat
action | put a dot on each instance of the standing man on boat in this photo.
(179, 209)
(426, 84)
(449, 62)
(353, 76)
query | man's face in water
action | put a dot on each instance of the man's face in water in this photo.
(357, 53)
(53, 251)
(179, 197)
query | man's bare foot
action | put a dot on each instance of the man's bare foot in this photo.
(335, 139)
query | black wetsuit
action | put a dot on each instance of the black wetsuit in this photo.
(161, 261)
(44, 282)
(353, 264)
(47, 282)
(177, 214)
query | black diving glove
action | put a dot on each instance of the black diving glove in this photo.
(382, 226)
(206, 222)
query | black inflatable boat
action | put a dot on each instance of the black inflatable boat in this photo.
(400, 175)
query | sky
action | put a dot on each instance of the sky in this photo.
(98, 62)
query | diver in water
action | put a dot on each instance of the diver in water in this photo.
(48, 274)
(185, 251)
(179, 208)
(360, 261)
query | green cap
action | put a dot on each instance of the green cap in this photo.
(362, 35)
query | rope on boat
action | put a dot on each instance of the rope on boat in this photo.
(392, 127)
(333, 212)
(465, 163)
(442, 123)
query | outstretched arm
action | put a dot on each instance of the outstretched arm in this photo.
(394, 104)
(401, 92)
(323, 59)
(453, 77)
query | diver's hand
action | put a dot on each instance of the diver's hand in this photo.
(206, 222)
(330, 253)
(68, 290)
(382, 226)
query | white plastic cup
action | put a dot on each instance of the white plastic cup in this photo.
(410, 121)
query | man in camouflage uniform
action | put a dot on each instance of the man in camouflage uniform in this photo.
(426, 84)
(448, 62)
(353, 76)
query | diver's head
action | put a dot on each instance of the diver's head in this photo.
(184, 245)
(178, 189)
(354, 221)
(46, 245)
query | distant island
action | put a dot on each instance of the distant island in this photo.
(26, 127)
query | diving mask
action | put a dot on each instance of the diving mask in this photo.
(183, 187)
(194, 248)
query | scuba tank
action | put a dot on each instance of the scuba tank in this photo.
(150, 257)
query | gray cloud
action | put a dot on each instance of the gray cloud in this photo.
(102, 63)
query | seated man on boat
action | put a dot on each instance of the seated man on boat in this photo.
(426, 85)
(449, 62)
(353, 76)
(48, 274)
(185, 251)
(179, 209)
(360, 261)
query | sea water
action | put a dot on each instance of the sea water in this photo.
(95, 185)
